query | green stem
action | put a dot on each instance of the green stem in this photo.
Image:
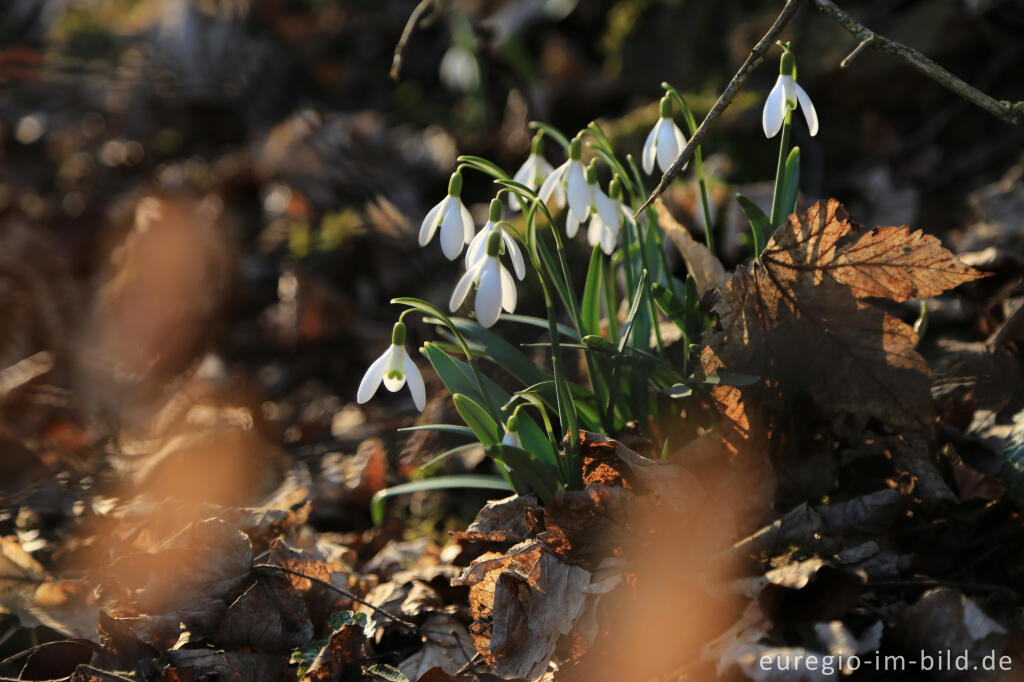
(572, 471)
(698, 162)
(610, 299)
(780, 172)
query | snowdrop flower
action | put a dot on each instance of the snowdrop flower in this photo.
(453, 218)
(478, 247)
(495, 288)
(784, 97)
(572, 180)
(603, 209)
(459, 69)
(533, 172)
(664, 142)
(511, 437)
(394, 367)
(604, 228)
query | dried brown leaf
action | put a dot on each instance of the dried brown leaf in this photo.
(512, 519)
(523, 602)
(448, 646)
(708, 272)
(269, 616)
(797, 320)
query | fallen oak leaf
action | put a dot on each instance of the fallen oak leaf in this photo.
(796, 318)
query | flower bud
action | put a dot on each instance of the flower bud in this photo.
(615, 188)
(665, 110)
(512, 425)
(576, 148)
(494, 244)
(787, 65)
(495, 214)
(455, 184)
(592, 173)
(537, 145)
(398, 334)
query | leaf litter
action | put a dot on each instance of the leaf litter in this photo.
(830, 511)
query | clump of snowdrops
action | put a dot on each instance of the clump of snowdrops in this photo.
(612, 313)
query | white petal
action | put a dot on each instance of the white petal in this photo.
(371, 380)
(463, 285)
(572, 225)
(508, 290)
(647, 158)
(419, 392)
(514, 254)
(512, 439)
(609, 240)
(469, 229)
(429, 225)
(594, 231)
(541, 170)
(524, 176)
(808, 108)
(668, 144)
(526, 172)
(551, 182)
(451, 230)
(478, 247)
(774, 110)
(680, 143)
(789, 91)
(579, 191)
(395, 364)
(488, 293)
(607, 208)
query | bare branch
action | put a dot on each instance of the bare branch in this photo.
(1011, 112)
(410, 26)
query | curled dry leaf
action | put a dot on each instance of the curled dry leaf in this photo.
(798, 319)
(944, 619)
(447, 647)
(512, 520)
(708, 272)
(871, 514)
(523, 602)
(809, 590)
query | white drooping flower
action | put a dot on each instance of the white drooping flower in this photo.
(453, 218)
(495, 288)
(571, 178)
(785, 96)
(394, 367)
(534, 171)
(664, 142)
(478, 247)
(602, 209)
(606, 223)
(459, 69)
(511, 437)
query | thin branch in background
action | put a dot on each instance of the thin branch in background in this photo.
(344, 593)
(410, 26)
(754, 59)
(1011, 112)
(845, 64)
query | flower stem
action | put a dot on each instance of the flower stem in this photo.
(698, 162)
(780, 172)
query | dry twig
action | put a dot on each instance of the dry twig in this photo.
(410, 26)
